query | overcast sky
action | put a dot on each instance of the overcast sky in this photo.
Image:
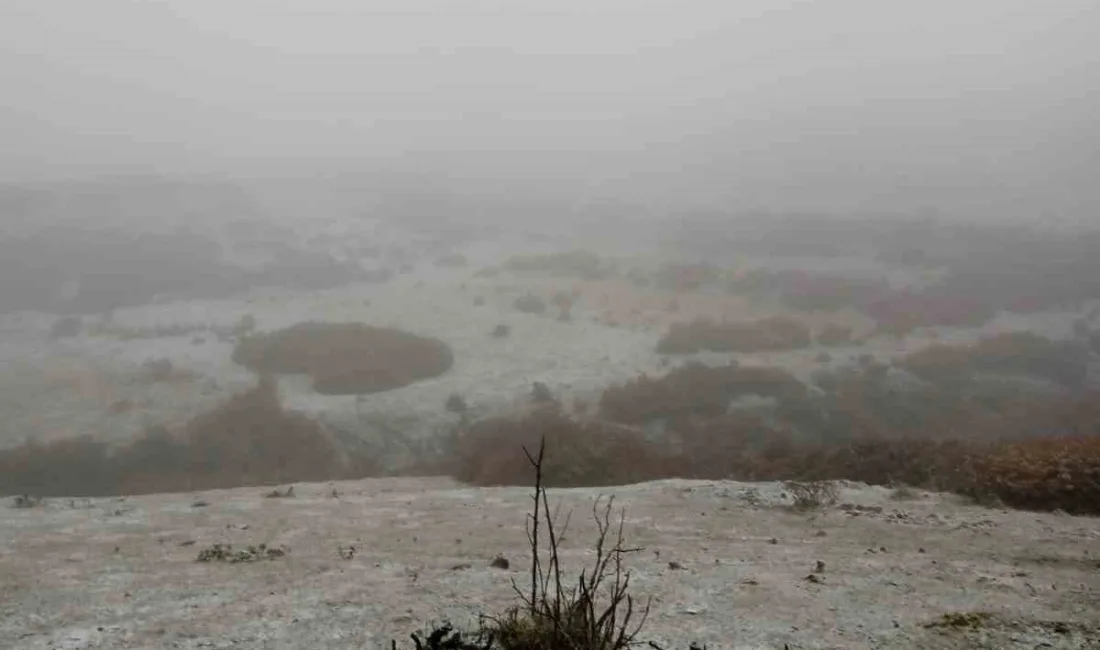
(838, 102)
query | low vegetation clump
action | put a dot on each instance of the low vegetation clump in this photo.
(247, 555)
(833, 334)
(811, 495)
(456, 404)
(1058, 473)
(346, 358)
(162, 369)
(529, 304)
(903, 311)
(865, 424)
(23, 501)
(774, 334)
(582, 453)
(160, 331)
(1011, 353)
(572, 264)
(248, 440)
(66, 327)
(694, 390)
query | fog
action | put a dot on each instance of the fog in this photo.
(981, 109)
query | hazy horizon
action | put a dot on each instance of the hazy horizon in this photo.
(980, 109)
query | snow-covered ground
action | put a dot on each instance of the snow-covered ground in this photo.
(726, 564)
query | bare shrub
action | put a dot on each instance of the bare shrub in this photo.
(811, 495)
(597, 612)
(346, 358)
(766, 335)
(554, 616)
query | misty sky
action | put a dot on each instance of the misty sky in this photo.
(839, 102)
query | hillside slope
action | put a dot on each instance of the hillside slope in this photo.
(122, 573)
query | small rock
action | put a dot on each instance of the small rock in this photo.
(820, 533)
(500, 562)
(675, 566)
(461, 567)
(814, 578)
(773, 541)
(820, 568)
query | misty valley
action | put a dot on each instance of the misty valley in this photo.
(170, 337)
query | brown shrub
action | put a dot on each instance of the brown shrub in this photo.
(1013, 353)
(346, 358)
(766, 335)
(248, 440)
(694, 390)
(833, 334)
(579, 453)
(812, 495)
(1060, 473)
(901, 312)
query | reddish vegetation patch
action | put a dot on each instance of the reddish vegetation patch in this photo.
(901, 312)
(765, 335)
(862, 426)
(346, 358)
(1060, 473)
